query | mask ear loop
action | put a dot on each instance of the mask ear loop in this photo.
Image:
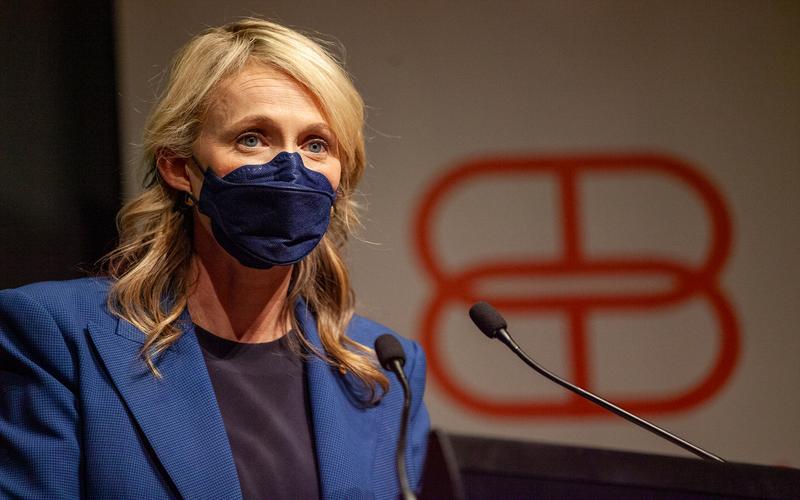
(189, 200)
(197, 164)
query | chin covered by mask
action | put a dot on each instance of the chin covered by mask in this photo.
(268, 215)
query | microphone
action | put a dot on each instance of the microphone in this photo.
(494, 326)
(391, 357)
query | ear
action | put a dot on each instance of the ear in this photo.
(172, 169)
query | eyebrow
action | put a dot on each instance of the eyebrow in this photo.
(250, 120)
(261, 119)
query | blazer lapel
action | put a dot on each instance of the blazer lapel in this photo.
(178, 413)
(344, 430)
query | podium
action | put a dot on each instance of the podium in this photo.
(467, 467)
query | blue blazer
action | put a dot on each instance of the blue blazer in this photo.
(82, 416)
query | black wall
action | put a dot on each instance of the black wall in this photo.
(59, 172)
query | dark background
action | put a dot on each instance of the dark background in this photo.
(58, 138)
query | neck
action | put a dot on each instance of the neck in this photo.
(233, 301)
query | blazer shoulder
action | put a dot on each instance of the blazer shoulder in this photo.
(65, 301)
(54, 288)
(365, 331)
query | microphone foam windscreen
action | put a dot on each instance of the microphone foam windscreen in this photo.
(487, 319)
(389, 349)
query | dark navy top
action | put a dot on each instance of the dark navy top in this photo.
(262, 395)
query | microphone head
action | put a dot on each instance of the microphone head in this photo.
(388, 349)
(487, 319)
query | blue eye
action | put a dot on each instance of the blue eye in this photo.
(250, 141)
(317, 146)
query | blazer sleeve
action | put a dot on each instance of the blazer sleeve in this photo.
(39, 427)
(419, 422)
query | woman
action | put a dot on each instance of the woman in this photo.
(219, 356)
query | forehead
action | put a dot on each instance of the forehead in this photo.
(263, 89)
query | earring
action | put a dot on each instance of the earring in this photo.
(188, 199)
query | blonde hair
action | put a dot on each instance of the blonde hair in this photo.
(151, 265)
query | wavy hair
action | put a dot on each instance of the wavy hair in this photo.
(150, 268)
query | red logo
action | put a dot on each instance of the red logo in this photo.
(688, 281)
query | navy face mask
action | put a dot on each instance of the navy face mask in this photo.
(268, 215)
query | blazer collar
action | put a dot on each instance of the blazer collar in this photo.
(178, 414)
(180, 418)
(345, 431)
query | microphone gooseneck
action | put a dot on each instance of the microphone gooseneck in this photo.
(493, 325)
(392, 357)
